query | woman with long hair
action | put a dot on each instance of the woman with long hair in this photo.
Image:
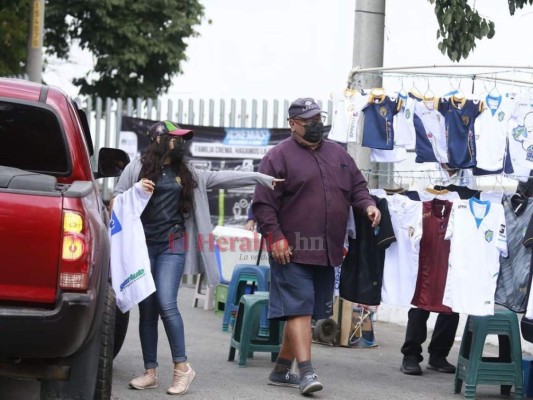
(177, 227)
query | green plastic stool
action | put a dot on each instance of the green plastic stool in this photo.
(246, 335)
(505, 370)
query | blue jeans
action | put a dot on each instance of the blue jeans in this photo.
(167, 264)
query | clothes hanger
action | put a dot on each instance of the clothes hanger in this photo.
(428, 94)
(376, 94)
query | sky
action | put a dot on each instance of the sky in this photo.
(284, 49)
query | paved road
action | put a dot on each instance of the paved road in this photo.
(346, 373)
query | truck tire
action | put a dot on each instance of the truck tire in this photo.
(92, 366)
(121, 328)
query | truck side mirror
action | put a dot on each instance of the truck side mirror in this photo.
(111, 162)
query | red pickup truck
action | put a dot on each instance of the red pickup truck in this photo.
(57, 307)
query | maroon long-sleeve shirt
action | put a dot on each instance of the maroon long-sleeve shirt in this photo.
(310, 208)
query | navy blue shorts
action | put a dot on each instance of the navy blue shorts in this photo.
(300, 289)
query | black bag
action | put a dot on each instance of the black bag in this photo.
(526, 327)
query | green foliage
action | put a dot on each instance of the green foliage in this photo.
(460, 26)
(14, 26)
(138, 45)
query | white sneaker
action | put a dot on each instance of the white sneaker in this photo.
(145, 381)
(181, 381)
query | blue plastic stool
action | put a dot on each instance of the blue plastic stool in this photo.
(259, 275)
(246, 335)
(505, 370)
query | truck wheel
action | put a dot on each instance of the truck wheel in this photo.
(92, 366)
(104, 378)
(121, 328)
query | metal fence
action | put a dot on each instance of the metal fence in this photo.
(105, 114)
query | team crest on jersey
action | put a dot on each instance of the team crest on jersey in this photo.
(407, 114)
(489, 235)
(501, 116)
(466, 119)
(383, 111)
(411, 231)
(518, 132)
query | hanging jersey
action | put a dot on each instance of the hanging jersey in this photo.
(491, 128)
(528, 242)
(346, 113)
(378, 131)
(433, 258)
(521, 133)
(362, 268)
(477, 235)
(401, 258)
(433, 122)
(429, 194)
(403, 123)
(515, 275)
(459, 117)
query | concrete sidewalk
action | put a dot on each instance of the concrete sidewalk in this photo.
(346, 373)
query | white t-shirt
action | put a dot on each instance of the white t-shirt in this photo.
(521, 133)
(401, 257)
(478, 237)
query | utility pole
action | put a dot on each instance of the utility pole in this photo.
(368, 45)
(34, 64)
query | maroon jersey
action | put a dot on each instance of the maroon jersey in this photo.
(433, 259)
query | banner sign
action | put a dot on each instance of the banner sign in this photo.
(214, 148)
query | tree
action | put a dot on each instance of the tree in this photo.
(138, 45)
(460, 26)
(14, 22)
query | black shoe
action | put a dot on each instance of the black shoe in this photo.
(441, 365)
(411, 366)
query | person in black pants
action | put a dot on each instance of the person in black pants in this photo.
(439, 347)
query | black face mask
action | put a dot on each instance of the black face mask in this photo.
(178, 152)
(314, 132)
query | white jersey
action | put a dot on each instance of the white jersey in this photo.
(492, 196)
(401, 257)
(477, 233)
(491, 128)
(403, 123)
(521, 133)
(433, 122)
(346, 113)
(131, 275)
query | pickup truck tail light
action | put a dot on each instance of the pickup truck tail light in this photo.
(75, 255)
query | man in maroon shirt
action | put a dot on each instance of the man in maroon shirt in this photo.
(304, 221)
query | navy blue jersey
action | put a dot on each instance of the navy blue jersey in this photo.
(378, 132)
(459, 117)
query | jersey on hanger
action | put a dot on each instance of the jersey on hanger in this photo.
(514, 278)
(378, 131)
(433, 122)
(346, 113)
(401, 258)
(433, 258)
(491, 128)
(477, 235)
(403, 123)
(459, 117)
